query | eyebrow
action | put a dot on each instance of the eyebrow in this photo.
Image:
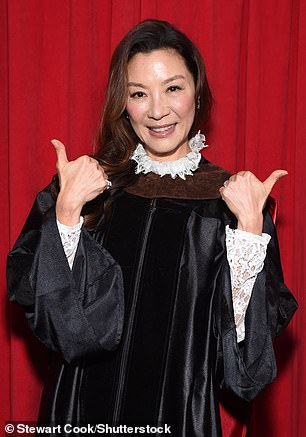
(171, 79)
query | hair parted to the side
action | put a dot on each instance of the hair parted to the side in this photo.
(116, 138)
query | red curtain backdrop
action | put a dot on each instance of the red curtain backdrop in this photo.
(54, 61)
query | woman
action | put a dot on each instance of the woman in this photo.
(145, 303)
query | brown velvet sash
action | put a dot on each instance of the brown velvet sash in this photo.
(204, 184)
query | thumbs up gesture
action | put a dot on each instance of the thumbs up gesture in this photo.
(245, 195)
(80, 181)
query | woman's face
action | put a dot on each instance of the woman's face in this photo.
(161, 103)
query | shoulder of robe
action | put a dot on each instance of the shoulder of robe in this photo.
(44, 201)
(46, 198)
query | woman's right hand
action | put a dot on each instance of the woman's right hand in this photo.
(80, 181)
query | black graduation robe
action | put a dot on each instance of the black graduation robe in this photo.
(143, 325)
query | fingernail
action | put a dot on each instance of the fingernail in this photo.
(54, 142)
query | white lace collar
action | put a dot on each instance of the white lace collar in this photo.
(181, 167)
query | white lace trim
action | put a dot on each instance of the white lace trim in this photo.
(246, 253)
(181, 167)
(70, 236)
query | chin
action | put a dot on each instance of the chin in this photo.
(166, 150)
(169, 154)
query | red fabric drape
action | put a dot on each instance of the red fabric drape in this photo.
(54, 60)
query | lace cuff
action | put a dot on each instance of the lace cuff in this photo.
(246, 253)
(70, 236)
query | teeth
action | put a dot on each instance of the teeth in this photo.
(161, 129)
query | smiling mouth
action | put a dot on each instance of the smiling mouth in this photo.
(162, 128)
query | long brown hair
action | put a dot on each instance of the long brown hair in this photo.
(116, 139)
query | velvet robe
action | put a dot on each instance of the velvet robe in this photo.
(142, 328)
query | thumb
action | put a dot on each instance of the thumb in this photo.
(273, 178)
(61, 153)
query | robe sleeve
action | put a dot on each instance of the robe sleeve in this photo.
(247, 368)
(78, 312)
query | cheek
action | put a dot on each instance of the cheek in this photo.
(136, 112)
(185, 107)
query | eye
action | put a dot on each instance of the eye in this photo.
(173, 88)
(137, 95)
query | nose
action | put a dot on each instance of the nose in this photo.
(159, 107)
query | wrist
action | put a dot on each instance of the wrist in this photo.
(251, 224)
(67, 212)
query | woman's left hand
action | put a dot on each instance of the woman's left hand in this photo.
(245, 195)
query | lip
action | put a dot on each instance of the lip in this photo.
(165, 130)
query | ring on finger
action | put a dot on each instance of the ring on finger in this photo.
(108, 184)
(225, 183)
